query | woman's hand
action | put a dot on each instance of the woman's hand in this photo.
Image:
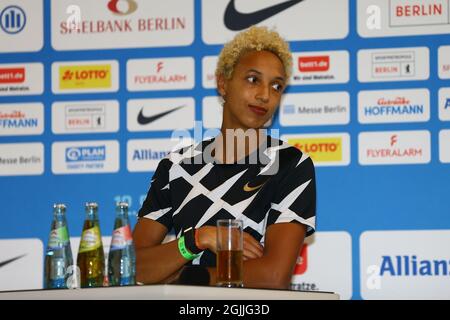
(207, 240)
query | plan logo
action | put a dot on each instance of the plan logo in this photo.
(85, 157)
(91, 153)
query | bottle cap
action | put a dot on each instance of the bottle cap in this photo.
(59, 206)
(122, 204)
(92, 205)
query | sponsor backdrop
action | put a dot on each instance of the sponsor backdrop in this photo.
(92, 91)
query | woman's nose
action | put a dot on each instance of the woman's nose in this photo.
(263, 93)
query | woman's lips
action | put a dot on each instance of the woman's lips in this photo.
(258, 110)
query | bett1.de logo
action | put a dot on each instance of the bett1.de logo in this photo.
(12, 19)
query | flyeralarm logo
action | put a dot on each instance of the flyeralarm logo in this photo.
(324, 149)
(85, 76)
(400, 147)
(160, 74)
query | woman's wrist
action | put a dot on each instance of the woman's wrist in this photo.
(203, 236)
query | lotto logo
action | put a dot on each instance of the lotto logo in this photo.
(90, 76)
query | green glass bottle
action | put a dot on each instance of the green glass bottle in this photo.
(91, 257)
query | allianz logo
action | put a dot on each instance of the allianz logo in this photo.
(87, 153)
(149, 154)
(411, 265)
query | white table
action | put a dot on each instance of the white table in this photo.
(166, 292)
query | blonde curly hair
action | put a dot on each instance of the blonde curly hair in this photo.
(254, 38)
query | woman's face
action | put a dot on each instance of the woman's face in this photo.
(254, 91)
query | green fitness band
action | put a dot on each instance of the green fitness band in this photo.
(184, 251)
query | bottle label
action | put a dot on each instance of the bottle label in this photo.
(58, 238)
(121, 238)
(90, 239)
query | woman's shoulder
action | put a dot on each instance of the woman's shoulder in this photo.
(290, 154)
(186, 151)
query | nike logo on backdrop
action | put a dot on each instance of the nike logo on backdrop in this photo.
(4, 263)
(236, 21)
(146, 120)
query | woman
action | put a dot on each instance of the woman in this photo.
(242, 174)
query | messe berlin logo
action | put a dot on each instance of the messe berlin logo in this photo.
(12, 19)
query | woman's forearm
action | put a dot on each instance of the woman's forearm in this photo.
(155, 264)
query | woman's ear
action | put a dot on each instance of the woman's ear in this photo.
(221, 85)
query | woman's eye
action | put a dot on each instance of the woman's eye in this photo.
(252, 79)
(277, 86)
